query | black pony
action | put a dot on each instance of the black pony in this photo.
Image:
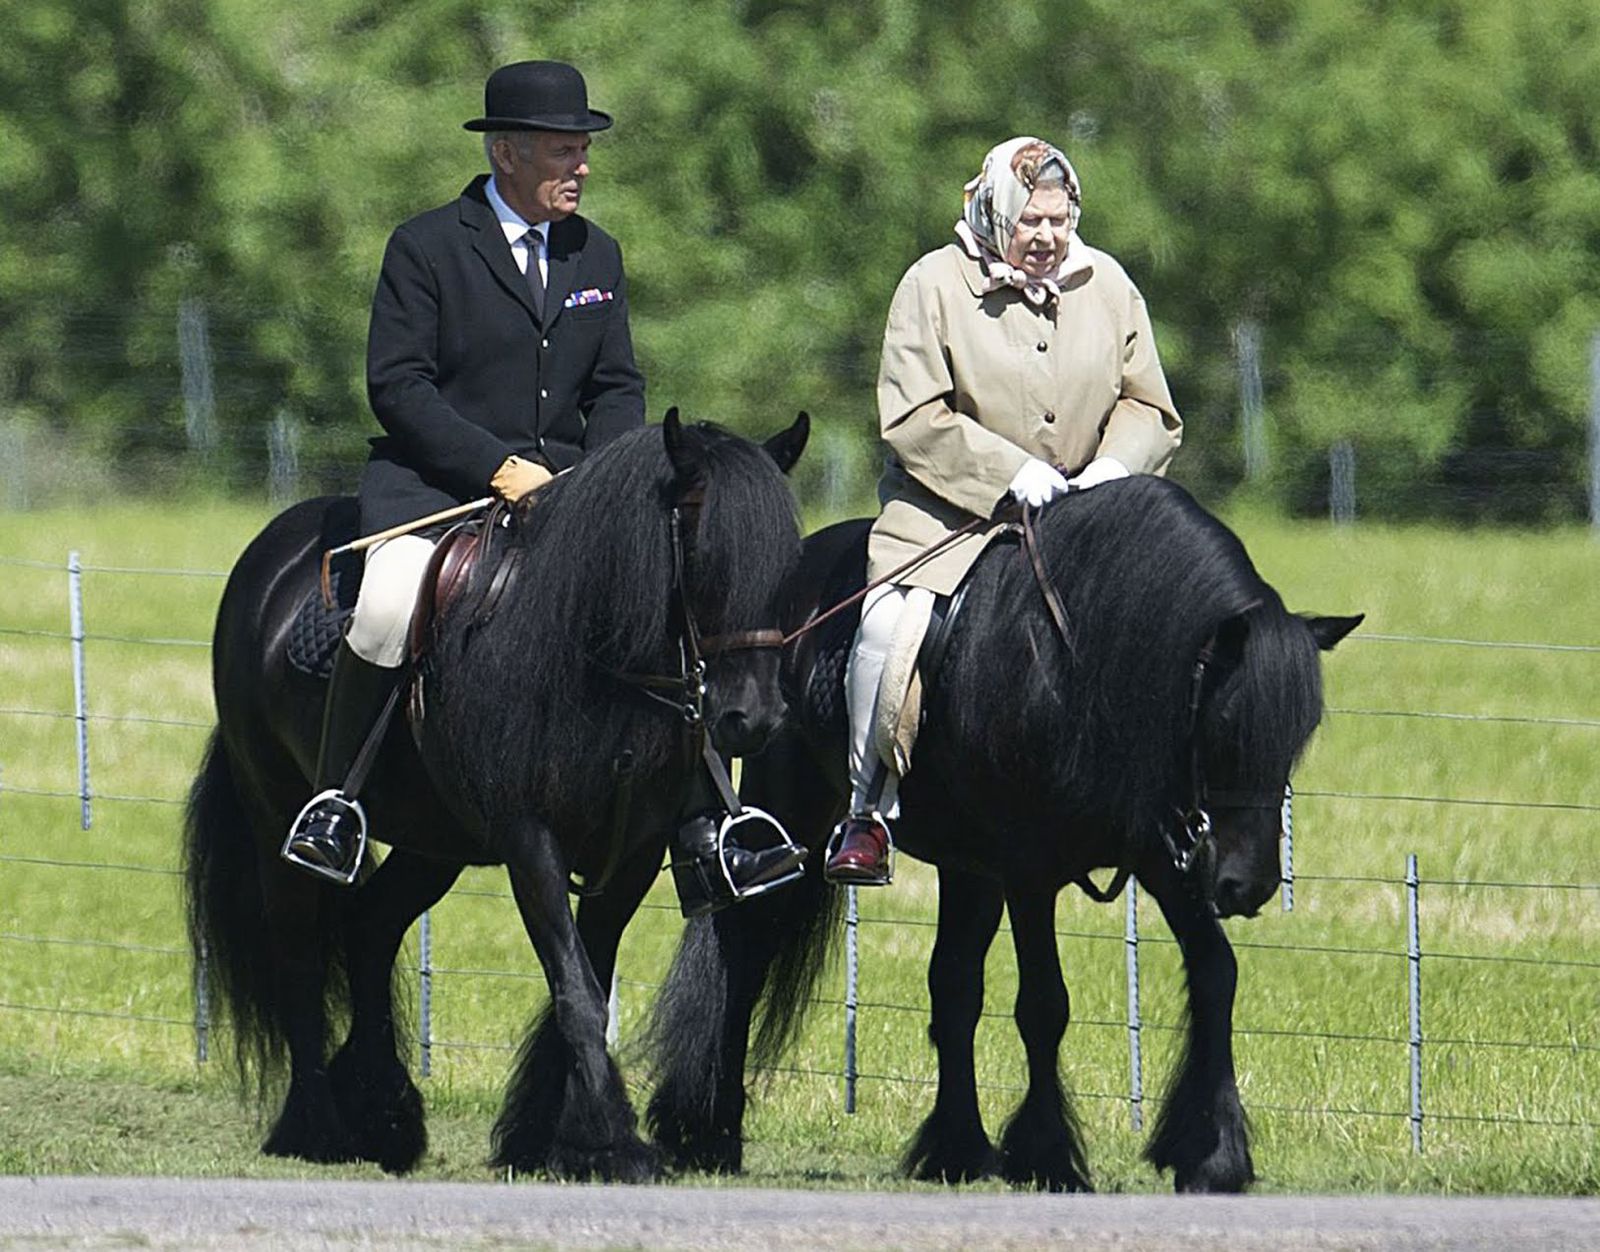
(536, 753)
(1176, 687)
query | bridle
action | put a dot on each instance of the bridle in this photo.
(684, 693)
(1191, 827)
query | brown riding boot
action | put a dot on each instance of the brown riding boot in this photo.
(861, 852)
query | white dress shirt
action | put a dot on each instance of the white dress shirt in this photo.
(516, 229)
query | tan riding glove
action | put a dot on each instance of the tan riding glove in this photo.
(516, 478)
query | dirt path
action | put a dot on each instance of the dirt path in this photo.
(58, 1212)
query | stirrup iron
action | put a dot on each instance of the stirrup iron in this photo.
(353, 806)
(749, 815)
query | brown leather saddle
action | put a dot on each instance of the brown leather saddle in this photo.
(471, 557)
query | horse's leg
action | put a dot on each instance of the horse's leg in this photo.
(1201, 1134)
(301, 919)
(952, 1145)
(266, 932)
(594, 1131)
(1041, 1145)
(525, 1133)
(377, 1098)
(770, 947)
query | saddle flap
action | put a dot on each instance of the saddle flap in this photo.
(448, 573)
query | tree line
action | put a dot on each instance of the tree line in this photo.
(1398, 200)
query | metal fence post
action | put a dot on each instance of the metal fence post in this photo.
(852, 922)
(1594, 434)
(195, 371)
(425, 991)
(1342, 482)
(202, 1006)
(1252, 424)
(613, 1014)
(80, 696)
(1414, 960)
(283, 458)
(1287, 891)
(1130, 939)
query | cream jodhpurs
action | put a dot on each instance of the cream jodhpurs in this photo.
(863, 676)
(388, 595)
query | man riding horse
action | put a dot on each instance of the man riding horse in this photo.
(499, 354)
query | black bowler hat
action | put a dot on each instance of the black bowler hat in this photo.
(537, 95)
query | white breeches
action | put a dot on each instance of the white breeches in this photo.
(862, 678)
(389, 585)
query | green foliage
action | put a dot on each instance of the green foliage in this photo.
(1403, 195)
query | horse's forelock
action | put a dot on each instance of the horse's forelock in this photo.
(1266, 710)
(748, 538)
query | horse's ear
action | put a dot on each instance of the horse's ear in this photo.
(786, 446)
(684, 465)
(1327, 631)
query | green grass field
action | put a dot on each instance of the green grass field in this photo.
(97, 1051)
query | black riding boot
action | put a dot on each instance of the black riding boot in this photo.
(710, 876)
(328, 836)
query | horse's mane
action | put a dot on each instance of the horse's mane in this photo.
(526, 711)
(1147, 578)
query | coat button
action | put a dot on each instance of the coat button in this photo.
(1042, 346)
(544, 343)
(543, 394)
(1049, 415)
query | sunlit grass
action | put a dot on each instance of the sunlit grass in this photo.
(97, 1046)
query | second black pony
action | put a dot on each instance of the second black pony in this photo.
(537, 751)
(1151, 731)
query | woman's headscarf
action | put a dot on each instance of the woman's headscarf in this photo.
(995, 200)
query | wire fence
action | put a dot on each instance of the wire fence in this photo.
(1406, 946)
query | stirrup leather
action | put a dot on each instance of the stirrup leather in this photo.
(353, 806)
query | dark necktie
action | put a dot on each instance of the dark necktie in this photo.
(535, 283)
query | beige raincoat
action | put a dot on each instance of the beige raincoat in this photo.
(971, 385)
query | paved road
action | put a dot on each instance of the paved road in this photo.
(46, 1213)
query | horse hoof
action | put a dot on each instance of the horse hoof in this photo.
(1048, 1178)
(966, 1158)
(633, 1162)
(325, 1144)
(382, 1108)
(710, 1154)
(1213, 1178)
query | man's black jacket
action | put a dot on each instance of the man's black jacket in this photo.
(462, 371)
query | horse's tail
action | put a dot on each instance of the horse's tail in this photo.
(764, 953)
(228, 933)
(806, 942)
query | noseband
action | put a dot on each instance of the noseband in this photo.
(1191, 828)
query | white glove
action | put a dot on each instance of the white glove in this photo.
(1037, 482)
(1102, 469)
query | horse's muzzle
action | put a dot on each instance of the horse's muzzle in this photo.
(736, 732)
(1233, 896)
